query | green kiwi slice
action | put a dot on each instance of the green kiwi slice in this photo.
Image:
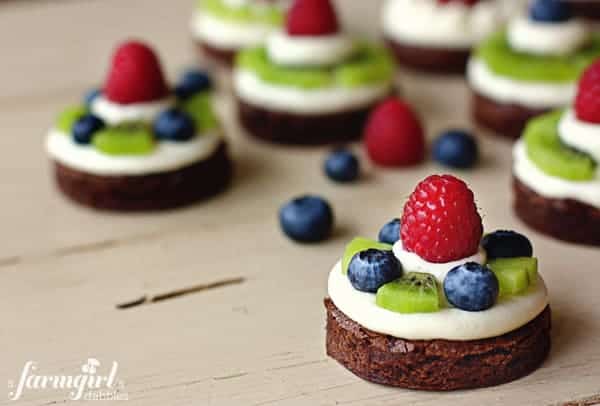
(128, 139)
(548, 153)
(414, 292)
(360, 244)
(199, 107)
(515, 275)
(68, 117)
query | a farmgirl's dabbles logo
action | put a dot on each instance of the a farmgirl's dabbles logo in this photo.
(90, 384)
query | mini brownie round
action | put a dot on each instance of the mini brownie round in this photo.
(221, 28)
(530, 68)
(435, 306)
(312, 83)
(138, 145)
(556, 178)
(437, 35)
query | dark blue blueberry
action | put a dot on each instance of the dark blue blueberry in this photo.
(306, 219)
(192, 82)
(456, 149)
(90, 96)
(371, 269)
(471, 287)
(506, 244)
(83, 130)
(390, 233)
(174, 125)
(342, 166)
(550, 11)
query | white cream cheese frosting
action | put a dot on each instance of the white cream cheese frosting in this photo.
(326, 50)
(507, 90)
(114, 113)
(508, 314)
(580, 135)
(251, 89)
(226, 35)
(428, 23)
(167, 156)
(550, 186)
(541, 38)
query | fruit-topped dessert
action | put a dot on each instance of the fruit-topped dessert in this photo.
(438, 35)
(529, 68)
(432, 305)
(221, 28)
(312, 82)
(556, 176)
(138, 144)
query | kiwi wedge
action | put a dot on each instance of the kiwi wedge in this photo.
(548, 153)
(127, 139)
(199, 107)
(414, 292)
(67, 118)
(360, 244)
(515, 275)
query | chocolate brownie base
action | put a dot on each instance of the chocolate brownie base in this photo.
(507, 120)
(223, 57)
(438, 365)
(289, 128)
(564, 219)
(430, 60)
(158, 191)
(589, 9)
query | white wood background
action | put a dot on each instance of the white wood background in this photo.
(63, 268)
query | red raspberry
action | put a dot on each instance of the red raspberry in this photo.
(440, 221)
(587, 102)
(135, 75)
(311, 17)
(394, 135)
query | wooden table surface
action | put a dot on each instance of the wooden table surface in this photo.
(64, 268)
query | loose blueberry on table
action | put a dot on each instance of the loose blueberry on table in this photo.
(342, 166)
(307, 219)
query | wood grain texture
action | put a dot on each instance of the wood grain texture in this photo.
(63, 268)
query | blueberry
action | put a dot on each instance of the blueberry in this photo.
(371, 269)
(90, 96)
(84, 128)
(550, 11)
(456, 149)
(342, 166)
(506, 244)
(174, 125)
(471, 287)
(306, 219)
(192, 82)
(390, 232)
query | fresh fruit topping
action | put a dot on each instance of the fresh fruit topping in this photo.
(413, 293)
(471, 287)
(129, 139)
(370, 64)
(371, 269)
(84, 129)
(549, 11)
(587, 102)
(440, 221)
(174, 125)
(200, 108)
(306, 219)
(390, 232)
(514, 275)
(68, 117)
(360, 244)
(135, 75)
(506, 244)
(548, 153)
(393, 135)
(90, 96)
(192, 82)
(311, 18)
(456, 149)
(342, 166)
